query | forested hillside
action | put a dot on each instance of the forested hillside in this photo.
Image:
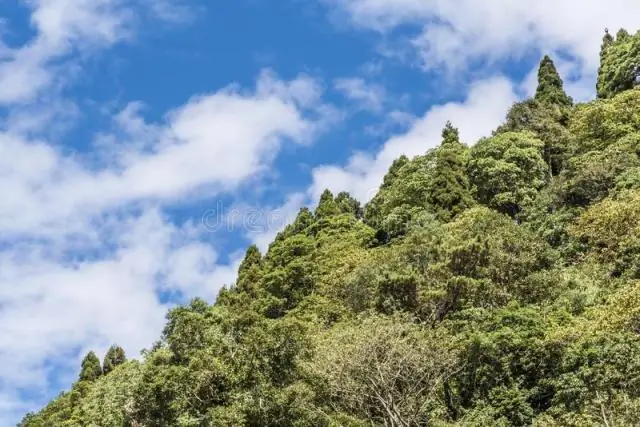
(490, 284)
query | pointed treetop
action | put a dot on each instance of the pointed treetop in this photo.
(607, 40)
(550, 86)
(622, 35)
(115, 356)
(450, 134)
(251, 258)
(348, 204)
(327, 206)
(303, 220)
(393, 170)
(90, 369)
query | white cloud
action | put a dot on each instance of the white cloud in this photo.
(452, 33)
(367, 96)
(65, 27)
(477, 116)
(60, 26)
(85, 249)
(84, 252)
(215, 141)
(270, 221)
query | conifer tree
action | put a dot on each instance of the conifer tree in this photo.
(115, 356)
(619, 64)
(450, 191)
(550, 86)
(622, 35)
(252, 258)
(90, 368)
(607, 41)
(327, 206)
(303, 220)
(348, 204)
(395, 167)
(249, 270)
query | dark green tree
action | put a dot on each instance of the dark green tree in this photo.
(508, 170)
(620, 64)
(550, 86)
(348, 204)
(90, 368)
(250, 270)
(450, 191)
(622, 35)
(607, 42)
(115, 356)
(327, 206)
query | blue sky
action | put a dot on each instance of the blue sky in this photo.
(145, 143)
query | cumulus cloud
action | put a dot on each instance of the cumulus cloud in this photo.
(215, 141)
(483, 109)
(452, 33)
(88, 256)
(65, 281)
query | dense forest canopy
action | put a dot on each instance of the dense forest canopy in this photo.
(493, 284)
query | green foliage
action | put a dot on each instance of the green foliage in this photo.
(450, 191)
(508, 170)
(404, 197)
(109, 402)
(496, 285)
(115, 356)
(348, 204)
(610, 231)
(327, 206)
(589, 177)
(548, 122)
(598, 124)
(388, 371)
(620, 64)
(90, 369)
(550, 86)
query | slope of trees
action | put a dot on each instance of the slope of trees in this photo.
(493, 284)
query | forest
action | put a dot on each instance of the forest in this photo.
(488, 283)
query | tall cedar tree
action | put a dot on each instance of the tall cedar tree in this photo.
(550, 86)
(115, 356)
(327, 206)
(249, 270)
(450, 191)
(90, 368)
(619, 64)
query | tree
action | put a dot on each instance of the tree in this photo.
(387, 371)
(403, 199)
(327, 206)
(508, 170)
(607, 41)
(598, 124)
(115, 356)
(250, 270)
(550, 86)
(450, 191)
(90, 368)
(589, 177)
(548, 122)
(348, 204)
(620, 64)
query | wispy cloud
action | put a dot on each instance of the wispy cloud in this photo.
(366, 96)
